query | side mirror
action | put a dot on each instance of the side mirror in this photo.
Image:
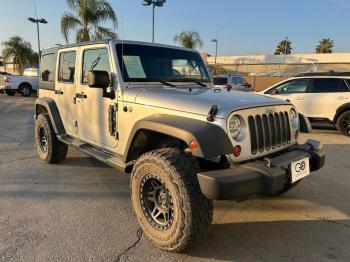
(274, 92)
(101, 79)
(98, 79)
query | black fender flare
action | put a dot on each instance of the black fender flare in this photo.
(304, 124)
(340, 110)
(212, 140)
(51, 108)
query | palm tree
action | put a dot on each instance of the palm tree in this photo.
(325, 46)
(284, 47)
(20, 51)
(86, 17)
(189, 39)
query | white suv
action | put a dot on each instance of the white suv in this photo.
(323, 97)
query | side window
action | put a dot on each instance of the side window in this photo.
(48, 67)
(95, 59)
(325, 85)
(291, 87)
(344, 87)
(66, 68)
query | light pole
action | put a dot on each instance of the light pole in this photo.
(37, 21)
(285, 49)
(154, 3)
(216, 48)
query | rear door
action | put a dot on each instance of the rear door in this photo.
(65, 88)
(325, 96)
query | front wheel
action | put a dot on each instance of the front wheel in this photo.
(343, 123)
(169, 205)
(49, 148)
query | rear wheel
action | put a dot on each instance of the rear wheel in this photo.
(25, 90)
(49, 148)
(343, 123)
(168, 202)
(9, 92)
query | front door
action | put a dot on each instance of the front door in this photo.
(93, 108)
(65, 89)
(293, 91)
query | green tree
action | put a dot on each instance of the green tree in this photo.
(189, 39)
(325, 46)
(20, 51)
(86, 17)
(284, 47)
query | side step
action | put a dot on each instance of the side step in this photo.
(115, 161)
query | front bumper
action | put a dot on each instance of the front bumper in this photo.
(270, 175)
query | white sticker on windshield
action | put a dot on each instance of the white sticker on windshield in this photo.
(134, 67)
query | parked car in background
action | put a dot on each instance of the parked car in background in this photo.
(23, 84)
(232, 82)
(323, 97)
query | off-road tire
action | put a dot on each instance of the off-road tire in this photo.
(56, 151)
(9, 92)
(25, 90)
(192, 213)
(343, 123)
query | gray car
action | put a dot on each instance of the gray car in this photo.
(232, 82)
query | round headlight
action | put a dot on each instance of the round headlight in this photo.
(235, 127)
(293, 113)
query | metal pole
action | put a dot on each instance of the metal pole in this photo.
(37, 27)
(154, 7)
(216, 50)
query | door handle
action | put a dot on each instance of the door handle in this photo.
(299, 98)
(59, 92)
(81, 95)
(342, 97)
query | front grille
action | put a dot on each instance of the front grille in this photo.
(269, 131)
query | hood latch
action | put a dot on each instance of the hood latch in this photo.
(212, 113)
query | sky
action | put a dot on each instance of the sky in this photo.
(245, 27)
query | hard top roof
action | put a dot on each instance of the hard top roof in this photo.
(55, 49)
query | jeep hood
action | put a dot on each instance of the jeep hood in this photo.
(199, 100)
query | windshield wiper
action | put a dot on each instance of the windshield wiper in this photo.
(189, 80)
(167, 83)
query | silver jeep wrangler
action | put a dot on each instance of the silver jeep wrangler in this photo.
(151, 111)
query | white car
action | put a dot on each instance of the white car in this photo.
(23, 84)
(323, 97)
(232, 82)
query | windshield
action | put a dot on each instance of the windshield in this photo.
(142, 63)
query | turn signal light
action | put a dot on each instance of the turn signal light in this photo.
(237, 151)
(193, 145)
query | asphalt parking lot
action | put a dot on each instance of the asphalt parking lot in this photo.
(80, 210)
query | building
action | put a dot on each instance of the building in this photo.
(282, 65)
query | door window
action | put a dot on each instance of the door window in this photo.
(343, 87)
(326, 85)
(66, 69)
(95, 59)
(220, 81)
(291, 87)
